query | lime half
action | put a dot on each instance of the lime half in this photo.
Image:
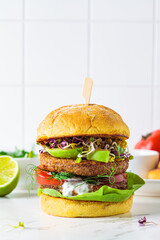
(9, 174)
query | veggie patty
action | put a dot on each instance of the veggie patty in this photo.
(84, 168)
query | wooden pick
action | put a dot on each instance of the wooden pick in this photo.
(87, 89)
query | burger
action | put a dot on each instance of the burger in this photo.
(83, 163)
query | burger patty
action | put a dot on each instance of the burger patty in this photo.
(92, 187)
(84, 168)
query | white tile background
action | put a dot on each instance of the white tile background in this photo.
(47, 47)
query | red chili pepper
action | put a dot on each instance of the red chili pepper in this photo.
(151, 141)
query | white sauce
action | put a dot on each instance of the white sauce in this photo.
(75, 179)
(79, 187)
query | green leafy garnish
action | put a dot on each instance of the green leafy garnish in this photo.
(131, 157)
(61, 176)
(19, 153)
(21, 224)
(78, 160)
(92, 139)
(120, 150)
(31, 154)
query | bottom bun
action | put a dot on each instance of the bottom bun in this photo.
(74, 208)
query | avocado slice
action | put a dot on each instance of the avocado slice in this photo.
(99, 156)
(64, 153)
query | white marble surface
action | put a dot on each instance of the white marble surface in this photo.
(38, 225)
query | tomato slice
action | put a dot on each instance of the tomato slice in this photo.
(44, 178)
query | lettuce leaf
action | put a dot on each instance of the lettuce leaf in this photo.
(105, 193)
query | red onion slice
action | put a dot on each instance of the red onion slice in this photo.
(119, 178)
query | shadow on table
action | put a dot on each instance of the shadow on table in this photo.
(22, 194)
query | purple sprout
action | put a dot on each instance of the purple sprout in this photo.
(63, 144)
(52, 146)
(142, 221)
(52, 140)
(115, 153)
(52, 143)
(127, 155)
(77, 140)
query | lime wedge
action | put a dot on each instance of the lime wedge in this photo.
(9, 174)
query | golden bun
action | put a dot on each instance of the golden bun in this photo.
(70, 208)
(159, 165)
(154, 174)
(82, 120)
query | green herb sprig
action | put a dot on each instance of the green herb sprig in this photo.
(98, 178)
(61, 176)
(31, 170)
(29, 181)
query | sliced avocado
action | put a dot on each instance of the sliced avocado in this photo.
(64, 153)
(99, 156)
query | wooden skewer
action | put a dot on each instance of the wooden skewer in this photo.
(87, 89)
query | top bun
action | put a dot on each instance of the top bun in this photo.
(82, 120)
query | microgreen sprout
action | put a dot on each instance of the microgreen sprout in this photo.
(21, 224)
(116, 146)
(143, 222)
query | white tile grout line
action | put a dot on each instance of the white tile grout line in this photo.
(154, 35)
(78, 85)
(80, 20)
(23, 73)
